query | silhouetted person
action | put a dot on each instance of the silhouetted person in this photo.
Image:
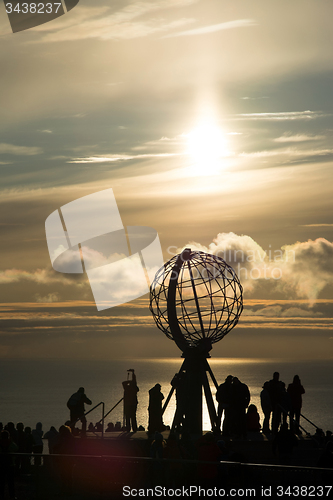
(130, 402)
(65, 442)
(37, 449)
(224, 397)
(21, 438)
(179, 382)
(266, 406)
(239, 402)
(295, 390)
(157, 446)
(29, 444)
(29, 440)
(99, 427)
(175, 470)
(208, 451)
(7, 467)
(65, 446)
(275, 390)
(328, 436)
(284, 443)
(76, 407)
(10, 427)
(157, 466)
(253, 419)
(285, 403)
(52, 438)
(155, 423)
(320, 436)
(186, 445)
(110, 427)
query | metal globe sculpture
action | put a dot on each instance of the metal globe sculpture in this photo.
(196, 299)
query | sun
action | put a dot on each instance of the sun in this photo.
(207, 145)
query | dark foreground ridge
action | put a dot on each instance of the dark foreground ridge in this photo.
(121, 465)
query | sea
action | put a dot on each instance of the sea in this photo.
(37, 390)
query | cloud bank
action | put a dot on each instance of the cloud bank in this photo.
(300, 270)
(120, 25)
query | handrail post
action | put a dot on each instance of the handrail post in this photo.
(103, 411)
(108, 413)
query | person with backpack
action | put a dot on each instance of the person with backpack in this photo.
(75, 404)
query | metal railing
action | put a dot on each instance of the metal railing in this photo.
(104, 415)
(287, 413)
(92, 409)
(108, 413)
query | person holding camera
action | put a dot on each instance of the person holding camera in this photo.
(130, 401)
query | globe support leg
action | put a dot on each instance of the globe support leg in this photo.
(190, 380)
(208, 395)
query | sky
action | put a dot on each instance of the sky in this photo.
(212, 122)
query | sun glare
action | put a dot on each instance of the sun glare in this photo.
(207, 146)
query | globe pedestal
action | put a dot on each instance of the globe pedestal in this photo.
(190, 399)
(189, 384)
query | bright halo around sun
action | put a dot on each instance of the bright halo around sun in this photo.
(207, 146)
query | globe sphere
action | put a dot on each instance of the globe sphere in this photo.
(206, 298)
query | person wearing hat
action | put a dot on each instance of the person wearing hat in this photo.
(155, 423)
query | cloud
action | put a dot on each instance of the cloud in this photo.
(311, 270)
(277, 311)
(12, 149)
(288, 137)
(114, 158)
(48, 299)
(241, 252)
(302, 269)
(254, 98)
(213, 28)
(293, 155)
(286, 115)
(40, 276)
(298, 271)
(316, 225)
(291, 152)
(120, 25)
(163, 142)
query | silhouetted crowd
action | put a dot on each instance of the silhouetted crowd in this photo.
(277, 403)
(234, 413)
(18, 439)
